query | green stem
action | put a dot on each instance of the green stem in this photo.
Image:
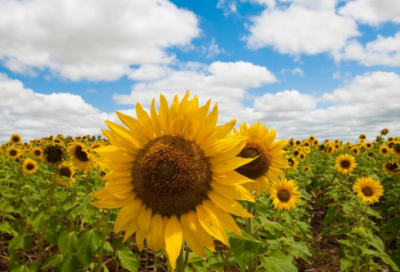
(180, 261)
(105, 232)
(249, 230)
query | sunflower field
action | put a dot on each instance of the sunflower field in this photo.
(172, 190)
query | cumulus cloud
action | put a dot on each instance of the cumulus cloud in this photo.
(285, 101)
(372, 12)
(305, 26)
(93, 40)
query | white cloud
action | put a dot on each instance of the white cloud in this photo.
(229, 7)
(94, 39)
(372, 12)
(382, 51)
(213, 50)
(286, 101)
(295, 71)
(306, 26)
(149, 72)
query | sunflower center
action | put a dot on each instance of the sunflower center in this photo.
(296, 153)
(54, 154)
(391, 144)
(66, 172)
(13, 152)
(367, 191)
(15, 139)
(80, 154)
(171, 175)
(259, 166)
(392, 166)
(283, 195)
(30, 166)
(345, 164)
(384, 150)
(37, 152)
(290, 161)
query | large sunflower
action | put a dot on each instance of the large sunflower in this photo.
(12, 152)
(173, 175)
(396, 149)
(79, 156)
(65, 176)
(345, 163)
(15, 139)
(391, 167)
(29, 166)
(368, 189)
(270, 156)
(284, 194)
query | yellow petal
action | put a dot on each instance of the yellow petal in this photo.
(115, 166)
(230, 178)
(227, 220)
(155, 233)
(228, 204)
(127, 214)
(229, 154)
(225, 145)
(190, 235)
(208, 126)
(143, 227)
(198, 118)
(154, 119)
(231, 164)
(164, 115)
(136, 129)
(115, 201)
(145, 120)
(173, 240)
(132, 226)
(269, 138)
(114, 154)
(211, 223)
(234, 192)
(125, 134)
(219, 132)
(113, 188)
(121, 143)
(204, 237)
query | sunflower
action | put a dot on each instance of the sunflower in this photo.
(355, 150)
(392, 168)
(345, 163)
(337, 146)
(293, 163)
(29, 166)
(58, 141)
(368, 189)
(95, 145)
(15, 139)
(371, 154)
(284, 194)
(296, 152)
(311, 138)
(330, 149)
(390, 144)
(327, 141)
(298, 142)
(12, 152)
(396, 150)
(397, 138)
(174, 176)
(54, 154)
(379, 139)
(65, 176)
(78, 138)
(302, 156)
(306, 143)
(361, 141)
(369, 145)
(322, 147)
(79, 156)
(316, 142)
(336, 141)
(267, 167)
(37, 152)
(384, 150)
(363, 137)
(384, 131)
(307, 169)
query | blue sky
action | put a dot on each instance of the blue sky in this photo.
(328, 68)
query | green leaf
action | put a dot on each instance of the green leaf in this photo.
(30, 267)
(128, 260)
(392, 224)
(245, 236)
(395, 259)
(271, 224)
(52, 261)
(5, 227)
(38, 220)
(243, 250)
(377, 243)
(277, 262)
(386, 259)
(71, 264)
(200, 266)
(88, 242)
(67, 242)
(18, 242)
(346, 263)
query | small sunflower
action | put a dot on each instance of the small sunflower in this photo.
(397, 138)
(307, 169)
(306, 143)
(15, 139)
(336, 141)
(355, 150)
(379, 139)
(384, 131)
(298, 142)
(391, 167)
(78, 138)
(311, 138)
(345, 163)
(321, 147)
(12, 152)
(54, 154)
(363, 137)
(396, 150)
(316, 142)
(368, 189)
(327, 141)
(361, 141)
(58, 141)
(330, 149)
(37, 152)
(307, 149)
(284, 194)
(302, 156)
(293, 163)
(369, 145)
(296, 152)
(337, 146)
(95, 145)
(390, 144)
(29, 166)
(79, 156)
(384, 150)
(65, 176)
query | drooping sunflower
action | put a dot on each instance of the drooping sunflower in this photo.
(173, 175)
(292, 163)
(321, 147)
(271, 156)
(384, 131)
(65, 176)
(390, 144)
(29, 166)
(284, 194)
(368, 189)
(307, 169)
(396, 149)
(37, 152)
(363, 137)
(345, 163)
(15, 139)
(12, 152)
(79, 156)
(391, 167)
(315, 142)
(384, 150)
(355, 150)
(54, 154)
